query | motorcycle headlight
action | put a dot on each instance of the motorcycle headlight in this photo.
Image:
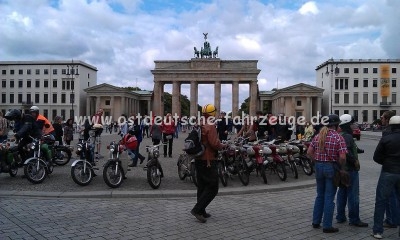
(112, 149)
(260, 151)
(32, 146)
(156, 153)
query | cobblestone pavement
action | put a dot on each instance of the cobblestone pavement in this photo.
(269, 214)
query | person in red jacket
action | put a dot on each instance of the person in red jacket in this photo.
(168, 130)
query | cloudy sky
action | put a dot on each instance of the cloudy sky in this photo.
(122, 38)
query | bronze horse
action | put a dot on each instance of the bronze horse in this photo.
(196, 52)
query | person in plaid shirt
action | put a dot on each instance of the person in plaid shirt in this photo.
(326, 149)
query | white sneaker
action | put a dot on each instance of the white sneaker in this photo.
(377, 235)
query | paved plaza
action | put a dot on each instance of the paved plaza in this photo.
(60, 209)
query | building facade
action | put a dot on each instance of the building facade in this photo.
(56, 87)
(363, 88)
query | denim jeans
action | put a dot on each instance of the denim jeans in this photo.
(326, 191)
(393, 209)
(349, 196)
(386, 183)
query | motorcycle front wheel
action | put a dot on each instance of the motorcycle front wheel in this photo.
(154, 176)
(244, 175)
(307, 166)
(81, 174)
(35, 171)
(264, 174)
(63, 155)
(281, 171)
(222, 174)
(113, 175)
(293, 168)
(181, 168)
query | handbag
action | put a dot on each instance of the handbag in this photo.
(341, 178)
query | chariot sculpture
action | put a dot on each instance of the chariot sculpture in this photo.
(205, 51)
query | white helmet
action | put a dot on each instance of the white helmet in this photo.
(394, 120)
(345, 118)
(34, 109)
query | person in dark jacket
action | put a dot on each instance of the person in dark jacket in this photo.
(222, 127)
(58, 129)
(350, 195)
(387, 154)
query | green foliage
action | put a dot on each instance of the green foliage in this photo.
(185, 104)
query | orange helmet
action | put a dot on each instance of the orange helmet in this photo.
(131, 142)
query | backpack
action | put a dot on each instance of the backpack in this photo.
(192, 144)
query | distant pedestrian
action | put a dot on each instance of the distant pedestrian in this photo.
(69, 131)
(58, 129)
(155, 133)
(168, 130)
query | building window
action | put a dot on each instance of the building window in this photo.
(336, 112)
(28, 84)
(46, 98)
(355, 115)
(54, 113)
(345, 111)
(393, 82)
(54, 97)
(394, 70)
(374, 114)
(46, 72)
(374, 70)
(346, 98)
(355, 82)
(63, 85)
(108, 102)
(37, 84)
(337, 98)
(63, 113)
(375, 82)
(68, 85)
(3, 84)
(37, 98)
(28, 98)
(365, 98)
(28, 71)
(346, 70)
(20, 71)
(3, 98)
(4, 72)
(54, 83)
(336, 84)
(37, 71)
(19, 98)
(20, 84)
(46, 83)
(55, 71)
(365, 115)
(394, 96)
(355, 70)
(355, 100)
(365, 83)
(72, 85)
(63, 71)
(12, 84)
(63, 98)
(365, 70)
(375, 98)
(45, 113)
(11, 97)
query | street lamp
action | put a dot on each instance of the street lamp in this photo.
(331, 62)
(72, 70)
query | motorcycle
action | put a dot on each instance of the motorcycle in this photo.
(288, 152)
(186, 168)
(154, 169)
(7, 163)
(37, 168)
(255, 159)
(273, 160)
(301, 157)
(115, 169)
(83, 169)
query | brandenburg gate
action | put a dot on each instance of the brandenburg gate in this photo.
(207, 68)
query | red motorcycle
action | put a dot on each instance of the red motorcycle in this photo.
(273, 160)
(255, 159)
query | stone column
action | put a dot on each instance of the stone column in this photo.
(262, 106)
(193, 98)
(88, 101)
(97, 104)
(235, 98)
(293, 111)
(157, 99)
(176, 87)
(112, 110)
(308, 107)
(149, 108)
(217, 97)
(318, 107)
(253, 98)
(123, 108)
(162, 99)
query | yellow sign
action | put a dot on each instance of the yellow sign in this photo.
(385, 80)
